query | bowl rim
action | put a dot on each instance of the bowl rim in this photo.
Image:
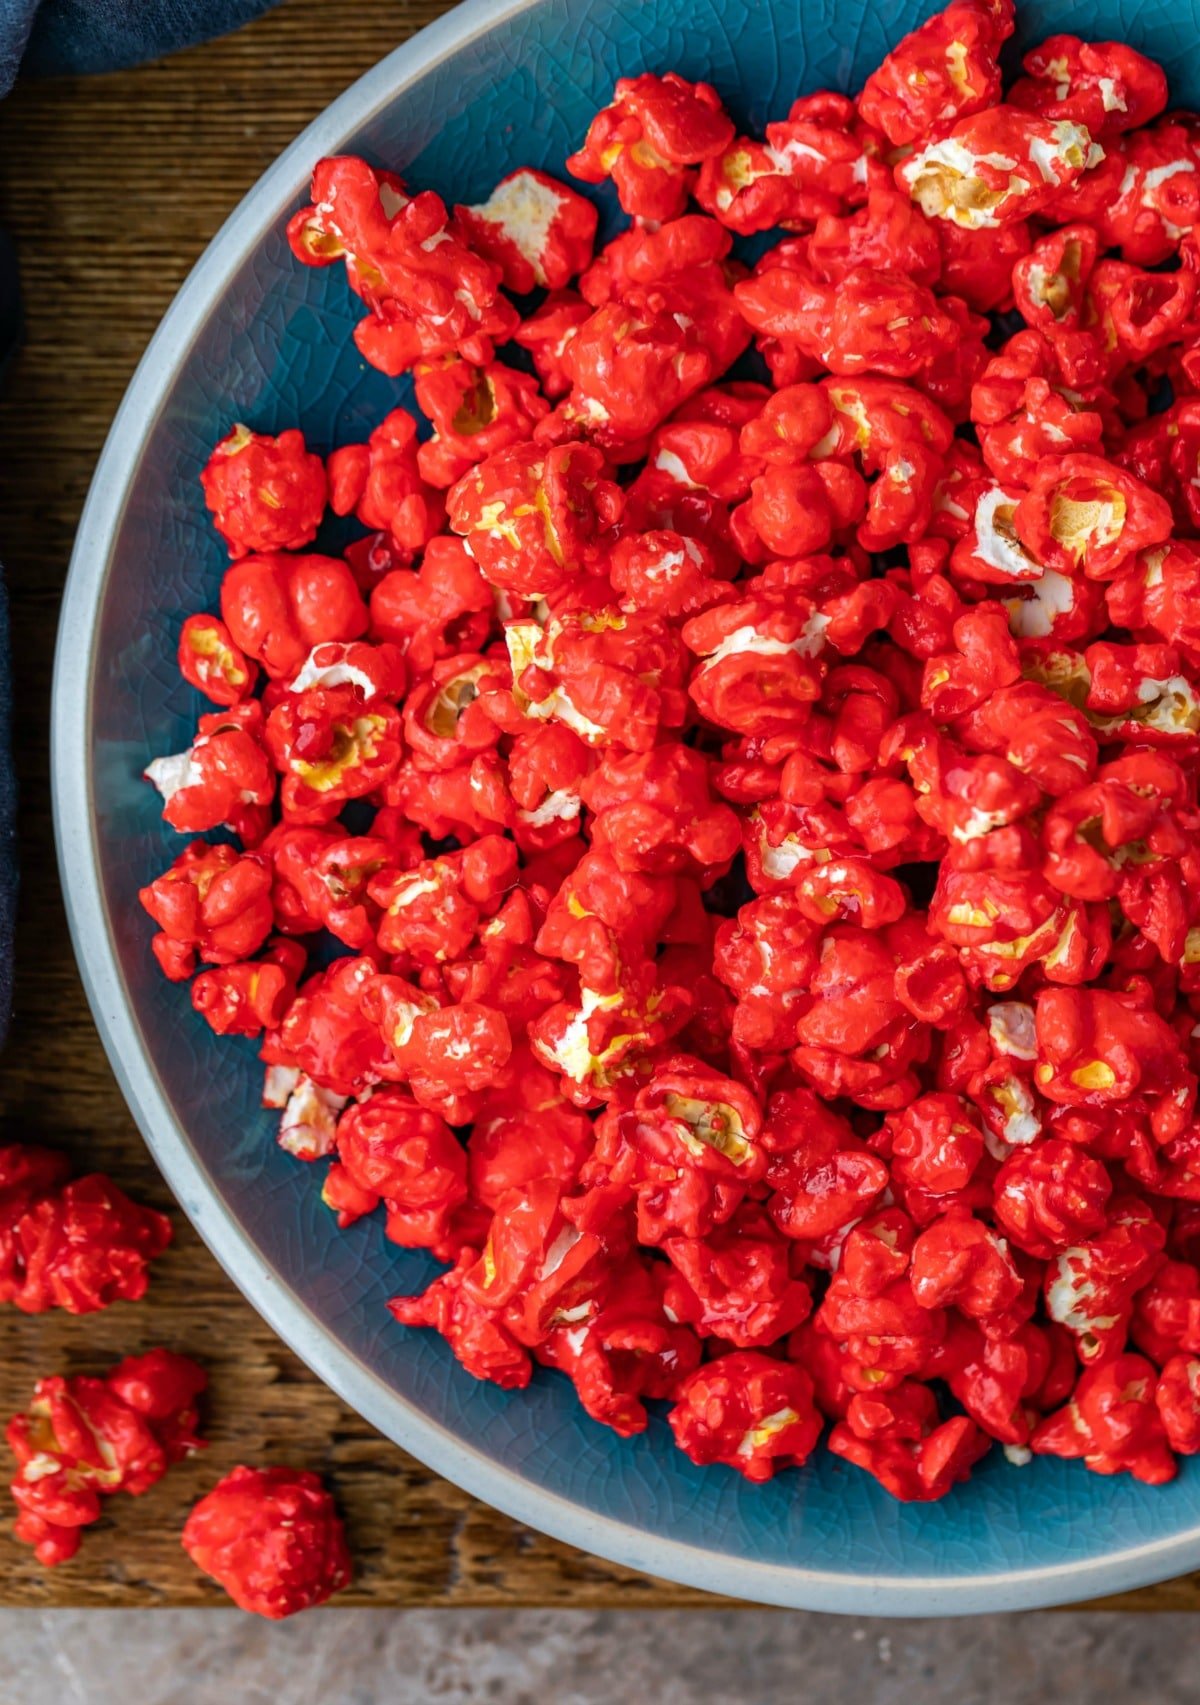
(442, 1450)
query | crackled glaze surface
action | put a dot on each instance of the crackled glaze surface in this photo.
(257, 338)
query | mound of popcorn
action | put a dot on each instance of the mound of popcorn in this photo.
(747, 766)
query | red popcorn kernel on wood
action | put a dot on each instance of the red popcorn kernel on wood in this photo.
(83, 1439)
(272, 1538)
(77, 1245)
(755, 823)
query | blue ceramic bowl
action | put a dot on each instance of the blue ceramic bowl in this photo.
(255, 337)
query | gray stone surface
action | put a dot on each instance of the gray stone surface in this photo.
(366, 1657)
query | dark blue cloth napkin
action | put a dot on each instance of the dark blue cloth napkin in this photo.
(49, 36)
(43, 37)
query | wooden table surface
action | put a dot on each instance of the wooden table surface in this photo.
(111, 187)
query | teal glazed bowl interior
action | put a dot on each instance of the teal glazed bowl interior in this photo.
(257, 338)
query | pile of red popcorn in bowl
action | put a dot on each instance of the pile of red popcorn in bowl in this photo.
(756, 816)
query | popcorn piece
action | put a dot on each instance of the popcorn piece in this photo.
(272, 1538)
(82, 1440)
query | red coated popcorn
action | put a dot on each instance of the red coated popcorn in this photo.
(330, 746)
(538, 230)
(439, 610)
(408, 1157)
(626, 1349)
(760, 662)
(272, 1538)
(604, 1043)
(1095, 1047)
(333, 882)
(210, 660)
(823, 1178)
(654, 812)
(1082, 515)
(1106, 85)
(1142, 197)
(812, 165)
(83, 1439)
(666, 324)
(1177, 1398)
(533, 519)
(747, 1411)
(26, 1174)
(224, 777)
(475, 412)
(716, 861)
(84, 1247)
(895, 1435)
(869, 321)
(547, 335)
(1051, 1195)
(1090, 1289)
(997, 166)
(380, 482)
(1113, 1422)
(77, 1245)
(278, 607)
(429, 292)
(213, 904)
(614, 679)
(943, 71)
(265, 494)
(252, 996)
(736, 1284)
(650, 139)
(327, 1036)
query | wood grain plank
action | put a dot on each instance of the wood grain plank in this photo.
(112, 187)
